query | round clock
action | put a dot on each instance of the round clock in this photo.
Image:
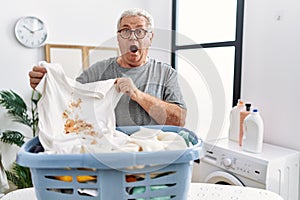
(31, 32)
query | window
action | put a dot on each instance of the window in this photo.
(207, 50)
(75, 58)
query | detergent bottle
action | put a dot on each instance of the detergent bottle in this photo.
(243, 115)
(253, 132)
(234, 118)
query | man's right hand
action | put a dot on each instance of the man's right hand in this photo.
(36, 75)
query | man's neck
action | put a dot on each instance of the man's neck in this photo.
(124, 64)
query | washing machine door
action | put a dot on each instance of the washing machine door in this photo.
(223, 178)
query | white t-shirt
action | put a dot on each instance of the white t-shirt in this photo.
(74, 117)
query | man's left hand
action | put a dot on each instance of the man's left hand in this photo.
(126, 86)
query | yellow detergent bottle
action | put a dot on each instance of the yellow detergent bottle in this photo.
(234, 118)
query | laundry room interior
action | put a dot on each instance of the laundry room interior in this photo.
(225, 54)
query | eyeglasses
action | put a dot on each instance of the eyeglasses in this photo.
(139, 33)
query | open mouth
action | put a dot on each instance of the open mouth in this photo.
(133, 48)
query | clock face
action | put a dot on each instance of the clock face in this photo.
(31, 32)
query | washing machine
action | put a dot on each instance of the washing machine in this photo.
(275, 169)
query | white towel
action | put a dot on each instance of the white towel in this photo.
(156, 140)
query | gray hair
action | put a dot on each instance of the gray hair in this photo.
(137, 12)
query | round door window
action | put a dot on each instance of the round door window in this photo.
(223, 178)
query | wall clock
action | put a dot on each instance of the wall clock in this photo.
(31, 32)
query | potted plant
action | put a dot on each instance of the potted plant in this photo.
(18, 111)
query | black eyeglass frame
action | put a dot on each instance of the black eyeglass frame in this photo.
(134, 31)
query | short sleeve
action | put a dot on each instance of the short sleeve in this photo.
(172, 93)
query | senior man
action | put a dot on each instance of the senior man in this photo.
(153, 93)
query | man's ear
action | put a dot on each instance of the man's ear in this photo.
(151, 37)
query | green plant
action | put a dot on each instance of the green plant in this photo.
(18, 111)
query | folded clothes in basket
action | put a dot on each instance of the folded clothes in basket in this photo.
(113, 179)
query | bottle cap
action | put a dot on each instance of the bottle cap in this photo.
(248, 106)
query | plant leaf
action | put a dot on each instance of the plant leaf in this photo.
(20, 176)
(15, 106)
(17, 110)
(12, 137)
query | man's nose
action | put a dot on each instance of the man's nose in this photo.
(132, 36)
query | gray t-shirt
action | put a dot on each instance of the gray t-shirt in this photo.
(155, 78)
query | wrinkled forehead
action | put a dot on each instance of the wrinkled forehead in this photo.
(134, 21)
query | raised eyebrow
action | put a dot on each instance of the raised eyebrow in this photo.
(125, 27)
(140, 27)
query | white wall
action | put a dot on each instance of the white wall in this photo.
(271, 67)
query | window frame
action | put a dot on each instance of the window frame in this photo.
(237, 43)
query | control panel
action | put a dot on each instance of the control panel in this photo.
(235, 163)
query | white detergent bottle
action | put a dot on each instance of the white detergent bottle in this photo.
(253, 132)
(234, 118)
